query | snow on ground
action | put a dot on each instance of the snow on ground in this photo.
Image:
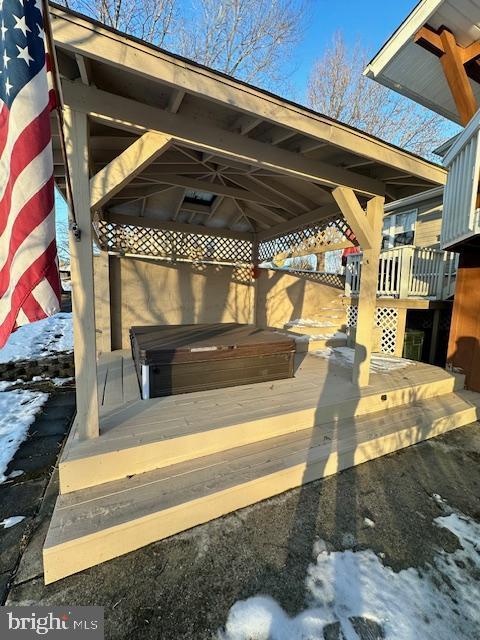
(343, 356)
(306, 322)
(311, 337)
(39, 339)
(18, 409)
(438, 602)
(11, 522)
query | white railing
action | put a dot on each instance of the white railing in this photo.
(460, 218)
(408, 272)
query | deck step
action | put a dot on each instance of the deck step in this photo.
(97, 524)
(135, 441)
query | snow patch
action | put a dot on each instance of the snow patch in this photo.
(18, 409)
(343, 356)
(306, 322)
(440, 602)
(307, 337)
(39, 339)
(11, 522)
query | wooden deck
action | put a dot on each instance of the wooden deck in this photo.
(164, 465)
(141, 435)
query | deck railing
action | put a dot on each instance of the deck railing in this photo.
(408, 272)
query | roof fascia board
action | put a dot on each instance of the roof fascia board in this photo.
(77, 34)
(417, 19)
(437, 192)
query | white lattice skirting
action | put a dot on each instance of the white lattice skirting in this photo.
(386, 318)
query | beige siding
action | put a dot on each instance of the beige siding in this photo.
(147, 292)
(429, 223)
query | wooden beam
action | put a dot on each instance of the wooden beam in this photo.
(367, 298)
(457, 78)
(137, 192)
(212, 187)
(175, 100)
(150, 223)
(316, 215)
(81, 264)
(430, 40)
(279, 187)
(453, 58)
(471, 52)
(85, 68)
(246, 123)
(121, 170)
(268, 196)
(355, 216)
(132, 116)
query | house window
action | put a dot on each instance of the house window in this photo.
(399, 229)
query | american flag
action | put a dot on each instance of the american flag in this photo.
(29, 281)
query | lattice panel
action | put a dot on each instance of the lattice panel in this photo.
(386, 318)
(352, 315)
(330, 231)
(162, 243)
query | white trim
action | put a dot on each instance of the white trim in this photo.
(145, 382)
(445, 147)
(409, 27)
(413, 200)
(463, 138)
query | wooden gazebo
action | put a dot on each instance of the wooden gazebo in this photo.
(171, 162)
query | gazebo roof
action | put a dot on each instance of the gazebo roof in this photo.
(240, 160)
(416, 71)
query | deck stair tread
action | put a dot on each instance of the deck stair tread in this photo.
(95, 524)
(143, 435)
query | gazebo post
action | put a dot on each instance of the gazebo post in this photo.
(81, 263)
(367, 228)
(367, 297)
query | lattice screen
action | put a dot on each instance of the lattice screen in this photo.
(329, 231)
(162, 243)
(386, 318)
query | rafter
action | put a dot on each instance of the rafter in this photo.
(281, 189)
(266, 195)
(316, 215)
(130, 115)
(175, 100)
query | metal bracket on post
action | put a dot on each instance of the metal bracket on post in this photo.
(76, 231)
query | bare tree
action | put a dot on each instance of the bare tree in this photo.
(338, 88)
(249, 39)
(151, 20)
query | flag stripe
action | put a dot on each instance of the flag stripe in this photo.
(29, 280)
(29, 217)
(37, 171)
(21, 294)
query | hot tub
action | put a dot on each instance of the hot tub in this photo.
(184, 358)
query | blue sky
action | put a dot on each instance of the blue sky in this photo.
(371, 21)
